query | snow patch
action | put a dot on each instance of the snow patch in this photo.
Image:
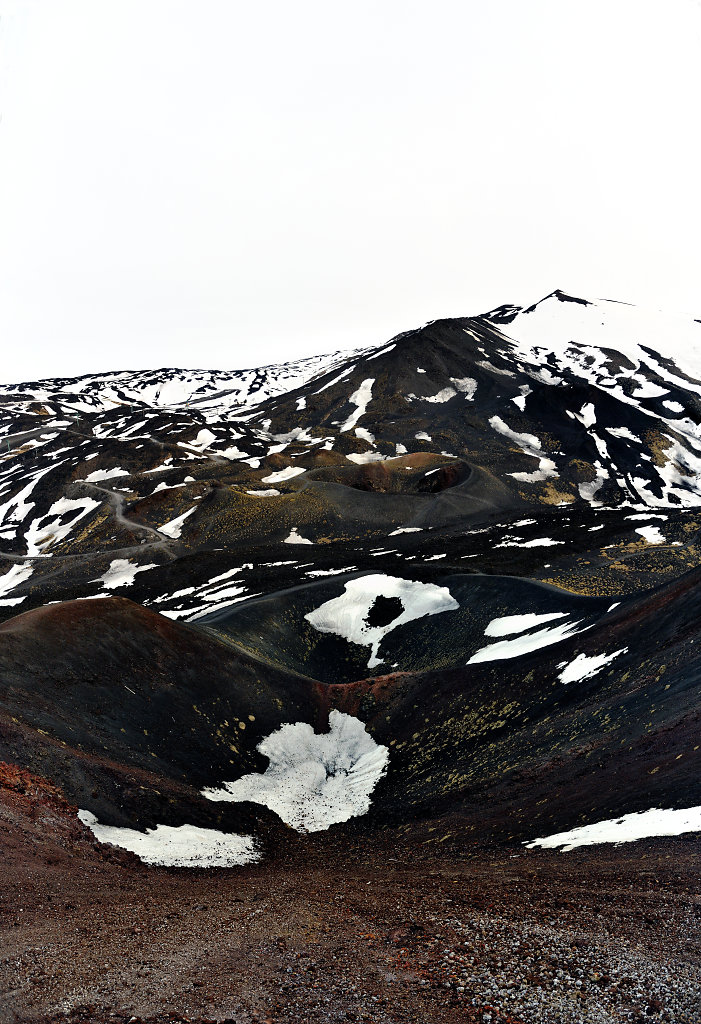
(383, 351)
(232, 453)
(360, 400)
(335, 380)
(585, 666)
(527, 643)
(623, 432)
(627, 829)
(283, 474)
(183, 846)
(121, 573)
(347, 615)
(314, 779)
(361, 458)
(651, 534)
(520, 400)
(509, 624)
(529, 445)
(105, 474)
(296, 538)
(15, 575)
(466, 385)
(174, 527)
(537, 542)
(330, 572)
(44, 532)
(163, 486)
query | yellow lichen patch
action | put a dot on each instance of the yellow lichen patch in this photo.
(550, 495)
(658, 444)
(97, 520)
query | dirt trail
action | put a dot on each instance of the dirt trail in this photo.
(117, 502)
(368, 931)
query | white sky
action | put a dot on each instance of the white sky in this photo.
(224, 184)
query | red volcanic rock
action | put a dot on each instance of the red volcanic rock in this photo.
(53, 620)
(33, 787)
(40, 828)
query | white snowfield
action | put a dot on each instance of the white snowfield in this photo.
(221, 391)
(365, 435)
(283, 474)
(218, 592)
(537, 542)
(44, 532)
(562, 327)
(182, 846)
(14, 511)
(314, 780)
(585, 338)
(105, 474)
(346, 616)
(362, 458)
(360, 400)
(382, 352)
(586, 666)
(330, 572)
(16, 574)
(652, 534)
(464, 385)
(295, 537)
(529, 445)
(174, 527)
(628, 829)
(526, 643)
(122, 573)
(507, 625)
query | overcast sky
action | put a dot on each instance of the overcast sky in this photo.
(224, 184)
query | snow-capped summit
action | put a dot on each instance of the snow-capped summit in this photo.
(561, 324)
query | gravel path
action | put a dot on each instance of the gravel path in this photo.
(353, 932)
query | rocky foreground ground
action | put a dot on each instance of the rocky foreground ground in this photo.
(353, 928)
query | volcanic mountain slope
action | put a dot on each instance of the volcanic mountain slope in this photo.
(479, 539)
(451, 428)
(133, 714)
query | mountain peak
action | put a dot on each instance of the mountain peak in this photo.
(561, 296)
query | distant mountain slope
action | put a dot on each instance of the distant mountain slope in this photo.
(119, 478)
(220, 391)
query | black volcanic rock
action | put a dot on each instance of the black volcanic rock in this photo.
(132, 714)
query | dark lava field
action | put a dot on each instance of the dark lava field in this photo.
(298, 663)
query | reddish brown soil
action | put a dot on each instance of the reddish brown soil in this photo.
(367, 929)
